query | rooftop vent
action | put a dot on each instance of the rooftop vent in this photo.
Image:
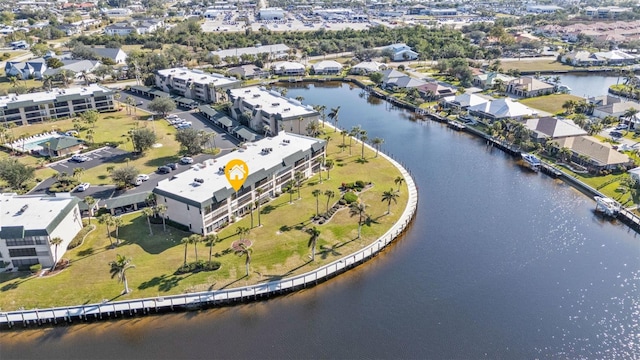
(198, 180)
(247, 91)
(286, 141)
(256, 95)
(23, 209)
(275, 104)
(287, 109)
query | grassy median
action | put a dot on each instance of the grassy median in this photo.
(280, 245)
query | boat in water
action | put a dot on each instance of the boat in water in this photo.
(531, 161)
(606, 205)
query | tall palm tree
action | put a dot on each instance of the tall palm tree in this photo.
(329, 194)
(316, 193)
(390, 196)
(243, 250)
(185, 241)
(399, 181)
(315, 234)
(148, 212)
(195, 239)
(299, 98)
(242, 231)
(89, 201)
(358, 208)
(328, 164)
(117, 223)
(161, 209)
(333, 115)
(630, 115)
(259, 192)
(377, 142)
(77, 172)
(344, 133)
(298, 176)
(56, 241)
(364, 139)
(313, 128)
(321, 109)
(211, 240)
(107, 219)
(290, 185)
(119, 268)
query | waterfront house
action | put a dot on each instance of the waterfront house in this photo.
(616, 57)
(464, 101)
(434, 91)
(616, 109)
(504, 108)
(552, 127)
(529, 86)
(602, 155)
(635, 174)
(288, 68)
(28, 223)
(248, 72)
(327, 67)
(400, 52)
(367, 67)
(488, 80)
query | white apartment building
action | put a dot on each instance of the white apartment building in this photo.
(202, 199)
(269, 108)
(28, 223)
(194, 84)
(57, 103)
(274, 51)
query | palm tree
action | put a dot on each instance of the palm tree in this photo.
(298, 176)
(259, 192)
(243, 250)
(344, 133)
(390, 196)
(333, 115)
(266, 130)
(316, 193)
(398, 181)
(89, 201)
(195, 239)
(328, 164)
(289, 185)
(107, 219)
(329, 194)
(565, 154)
(211, 240)
(630, 114)
(363, 138)
(185, 242)
(148, 212)
(118, 222)
(299, 98)
(77, 172)
(119, 268)
(569, 106)
(55, 242)
(377, 142)
(315, 234)
(321, 109)
(358, 208)
(161, 209)
(242, 231)
(313, 128)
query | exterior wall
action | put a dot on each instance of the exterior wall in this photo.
(188, 215)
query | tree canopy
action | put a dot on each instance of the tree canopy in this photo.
(143, 139)
(192, 140)
(162, 105)
(124, 175)
(15, 173)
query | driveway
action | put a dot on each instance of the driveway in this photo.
(98, 157)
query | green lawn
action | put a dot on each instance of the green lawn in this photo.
(5, 84)
(279, 246)
(541, 65)
(549, 103)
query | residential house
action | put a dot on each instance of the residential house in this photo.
(635, 174)
(116, 55)
(288, 68)
(367, 67)
(616, 57)
(602, 155)
(552, 127)
(194, 84)
(79, 67)
(28, 223)
(504, 108)
(32, 69)
(615, 109)
(464, 101)
(120, 29)
(582, 58)
(488, 80)
(401, 52)
(272, 51)
(529, 86)
(435, 91)
(327, 67)
(61, 146)
(202, 200)
(248, 72)
(404, 82)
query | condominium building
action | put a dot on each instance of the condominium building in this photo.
(258, 108)
(202, 199)
(57, 103)
(195, 84)
(28, 223)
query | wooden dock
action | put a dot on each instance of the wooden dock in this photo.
(550, 170)
(456, 125)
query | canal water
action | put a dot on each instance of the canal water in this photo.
(500, 263)
(589, 85)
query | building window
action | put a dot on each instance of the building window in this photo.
(22, 252)
(20, 242)
(24, 263)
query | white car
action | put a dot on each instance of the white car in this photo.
(83, 186)
(80, 158)
(186, 160)
(172, 116)
(143, 177)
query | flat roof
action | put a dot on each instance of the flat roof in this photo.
(197, 76)
(32, 212)
(48, 96)
(185, 186)
(271, 102)
(252, 50)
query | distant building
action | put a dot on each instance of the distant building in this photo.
(269, 108)
(28, 223)
(248, 72)
(605, 12)
(32, 69)
(116, 12)
(272, 13)
(288, 68)
(274, 51)
(401, 52)
(116, 55)
(529, 86)
(194, 84)
(367, 67)
(327, 67)
(543, 9)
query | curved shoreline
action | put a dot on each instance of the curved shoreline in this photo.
(217, 298)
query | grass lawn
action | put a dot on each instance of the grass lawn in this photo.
(279, 245)
(5, 84)
(541, 65)
(549, 103)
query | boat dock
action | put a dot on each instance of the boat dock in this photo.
(456, 125)
(550, 170)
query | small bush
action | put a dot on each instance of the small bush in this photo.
(350, 197)
(197, 266)
(342, 202)
(35, 268)
(360, 184)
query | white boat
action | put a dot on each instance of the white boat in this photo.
(531, 161)
(606, 205)
(564, 89)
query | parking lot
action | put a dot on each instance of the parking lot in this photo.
(97, 157)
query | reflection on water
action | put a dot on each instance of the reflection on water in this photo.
(500, 263)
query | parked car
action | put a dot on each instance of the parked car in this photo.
(615, 134)
(183, 126)
(143, 177)
(80, 158)
(71, 133)
(83, 186)
(172, 166)
(137, 181)
(172, 116)
(164, 170)
(186, 160)
(140, 102)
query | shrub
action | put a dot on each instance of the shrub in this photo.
(342, 202)
(350, 197)
(360, 184)
(197, 266)
(35, 268)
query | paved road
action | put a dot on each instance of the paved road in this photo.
(98, 157)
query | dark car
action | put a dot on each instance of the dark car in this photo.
(173, 166)
(164, 169)
(615, 134)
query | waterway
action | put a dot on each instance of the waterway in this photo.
(589, 85)
(500, 263)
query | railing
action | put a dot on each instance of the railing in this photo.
(223, 296)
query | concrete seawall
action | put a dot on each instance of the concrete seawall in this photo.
(217, 298)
